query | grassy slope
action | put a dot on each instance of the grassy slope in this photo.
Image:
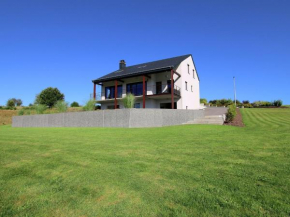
(6, 115)
(181, 170)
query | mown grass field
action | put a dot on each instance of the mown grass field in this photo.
(192, 170)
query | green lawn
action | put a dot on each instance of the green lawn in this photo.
(191, 170)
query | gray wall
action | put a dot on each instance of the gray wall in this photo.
(110, 118)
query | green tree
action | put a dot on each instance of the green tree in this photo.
(278, 103)
(49, 97)
(204, 101)
(10, 103)
(74, 104)
(18, 102)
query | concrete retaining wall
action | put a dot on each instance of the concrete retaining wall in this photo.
(128, 118)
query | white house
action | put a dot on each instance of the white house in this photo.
(168, 83)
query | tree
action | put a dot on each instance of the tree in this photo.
(204, 101)
(18, 102)
(74, 104)
(278, 103)
(10, 103)
(49, 97)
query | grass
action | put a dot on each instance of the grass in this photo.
(192, 170)
(6, 115)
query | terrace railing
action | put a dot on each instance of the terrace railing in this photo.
(151, 90)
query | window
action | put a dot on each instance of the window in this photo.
(193, 73)
(137, 105)
(191, 89)
(188, 68)
(110, 92)
(186, 85)
(158, 87)
(136, 88)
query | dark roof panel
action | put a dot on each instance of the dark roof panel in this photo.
(144, 68)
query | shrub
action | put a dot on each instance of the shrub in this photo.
(21, 112)
(248, 105)
(221, 102)
(261, 103)
(204, 101)
(74, 104)
(231, 114)
(49, 97)
(278, 103)
(129, 100)
(39, 108)
(61, 106)
(90, 105)
(28, 112)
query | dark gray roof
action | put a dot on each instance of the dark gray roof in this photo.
(144, 68)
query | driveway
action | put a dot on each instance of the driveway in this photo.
(212, 111)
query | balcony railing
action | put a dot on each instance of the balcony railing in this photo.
(151, 90)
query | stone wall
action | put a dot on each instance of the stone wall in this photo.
(128, 118)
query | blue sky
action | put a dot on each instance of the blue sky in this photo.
(66, 44)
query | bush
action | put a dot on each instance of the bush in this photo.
(222, 102)
(39, 108)
(204, 101)
(90, 105)
(278, 103)
(21, 112)
(49, 97)
(61, 106)
(74, 104)
(231, 114)
(248, 105)
(261, 103)
(129, 101)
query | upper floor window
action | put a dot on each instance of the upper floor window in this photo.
(110, 92)
(193, 73)
(186, 85)
(136, 88)
(188, 68)
(191, 89)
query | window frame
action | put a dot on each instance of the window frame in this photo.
(112, 92)
(135, 87)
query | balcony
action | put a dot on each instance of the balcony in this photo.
(152, 91)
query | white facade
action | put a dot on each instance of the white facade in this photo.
(185, 98)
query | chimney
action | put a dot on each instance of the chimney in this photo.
(122, 64)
